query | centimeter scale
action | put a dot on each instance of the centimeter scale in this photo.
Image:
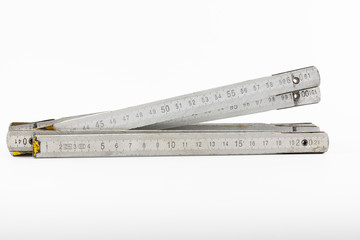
(173, 126)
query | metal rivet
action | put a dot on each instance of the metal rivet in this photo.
(296, 80)
(304, 142)
(296, 96)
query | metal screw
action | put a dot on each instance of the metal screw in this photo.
(304, 142)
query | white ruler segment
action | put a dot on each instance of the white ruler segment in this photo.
(287, 100)
(208, 101)
(174, 143)
(19, 141)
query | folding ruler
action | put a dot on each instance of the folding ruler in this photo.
(171, 126)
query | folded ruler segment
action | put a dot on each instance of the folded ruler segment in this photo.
(202, 139)
(20, 141)
(170, 143)
(251, 95)
(286, 100)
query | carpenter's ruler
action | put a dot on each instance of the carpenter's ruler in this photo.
(167, 127)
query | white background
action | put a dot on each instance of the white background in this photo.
(70, 57)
